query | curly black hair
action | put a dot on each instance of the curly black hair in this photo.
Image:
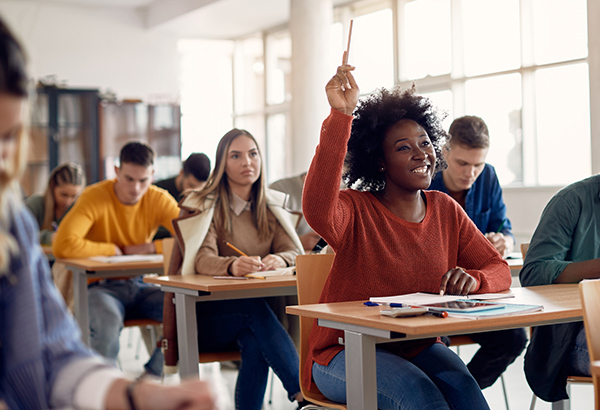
(374, 115)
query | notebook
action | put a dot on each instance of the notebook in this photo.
(421, 298)
(276, 272)
(128, 258)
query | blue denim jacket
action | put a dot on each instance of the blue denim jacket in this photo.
(483, 203)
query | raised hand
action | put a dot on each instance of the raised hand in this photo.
(342, 90)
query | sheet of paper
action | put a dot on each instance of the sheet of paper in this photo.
(128, 258)
(420, 298)
(277, 272)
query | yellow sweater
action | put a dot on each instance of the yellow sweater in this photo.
(98, 221)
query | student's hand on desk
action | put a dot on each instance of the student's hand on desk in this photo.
(140, 249)
(342, 90)
(246, 264)
(273, 262)
(501, 243)
(457, 282)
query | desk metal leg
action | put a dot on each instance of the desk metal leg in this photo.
(187, 335)
(361, 374)
(80, 296)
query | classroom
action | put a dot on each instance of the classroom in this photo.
(198, 68)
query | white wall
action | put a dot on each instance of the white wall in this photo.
(96, 47)
(524, 207)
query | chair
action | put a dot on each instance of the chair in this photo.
(564, 404)
(590, 301)
(311, 273)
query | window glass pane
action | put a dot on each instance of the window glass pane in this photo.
(371, 50)
(279, 67)
(255, 125)
(559, 30)
(497, 100)
(426, 52)
(205, 120)
(491, 35)
(249, 75)
(276, 148)
(443, 101)
(563, 124)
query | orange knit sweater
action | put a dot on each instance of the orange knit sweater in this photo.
(380, 254)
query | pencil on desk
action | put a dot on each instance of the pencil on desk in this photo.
(235, 249)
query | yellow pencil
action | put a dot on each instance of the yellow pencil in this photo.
(235, 249)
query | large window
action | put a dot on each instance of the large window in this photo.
(521, 65)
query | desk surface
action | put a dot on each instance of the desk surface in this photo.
(93, 266)
(210, 284)
(561, 304)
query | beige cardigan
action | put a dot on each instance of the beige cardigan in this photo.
(192, 229)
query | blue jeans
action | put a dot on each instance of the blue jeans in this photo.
(435, 379)
(110, 303)
(579, 359)
(250, 326)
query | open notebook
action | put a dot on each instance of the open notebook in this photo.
(277, 272)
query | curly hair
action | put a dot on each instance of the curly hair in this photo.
(374, 115)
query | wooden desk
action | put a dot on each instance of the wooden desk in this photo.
(364, 327)
(515, 263)
(86, 268)
(189, 289)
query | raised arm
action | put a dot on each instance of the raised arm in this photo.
(326, 213)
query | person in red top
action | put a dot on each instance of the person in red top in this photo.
(392, 237)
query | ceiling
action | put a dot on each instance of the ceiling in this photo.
(215, 19)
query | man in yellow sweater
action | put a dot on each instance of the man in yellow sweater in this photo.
(116, 217)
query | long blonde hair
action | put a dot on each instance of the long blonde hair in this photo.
(217, 188)
(13, 82)
(68, 173)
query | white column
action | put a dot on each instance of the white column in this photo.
(310, 22)
(594, 67)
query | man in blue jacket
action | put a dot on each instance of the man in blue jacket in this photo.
(474, 185)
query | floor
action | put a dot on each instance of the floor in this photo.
(133, 355)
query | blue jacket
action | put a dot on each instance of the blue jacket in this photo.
(38, 338)
(483, 202)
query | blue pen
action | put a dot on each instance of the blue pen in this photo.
(395, 304)
(369, 303)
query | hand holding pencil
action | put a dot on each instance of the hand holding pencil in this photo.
(342, 90)
(244, 264)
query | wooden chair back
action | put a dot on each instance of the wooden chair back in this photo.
(590, 301)
(524, 249)
(311, 274)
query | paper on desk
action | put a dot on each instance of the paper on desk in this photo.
(128, 258)
(277, 272)
(421, 298)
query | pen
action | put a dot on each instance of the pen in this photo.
(249, 276)
(501, 226)
(442, 314)
(235, 249)
(369, 303)
(231, 277)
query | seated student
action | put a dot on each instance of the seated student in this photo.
(43, 363)
(64, 186)
(236, 207)
(474, 185)
(114, 217)
(564, 249)
(293, 186)
(193, 175)
(391, 237)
